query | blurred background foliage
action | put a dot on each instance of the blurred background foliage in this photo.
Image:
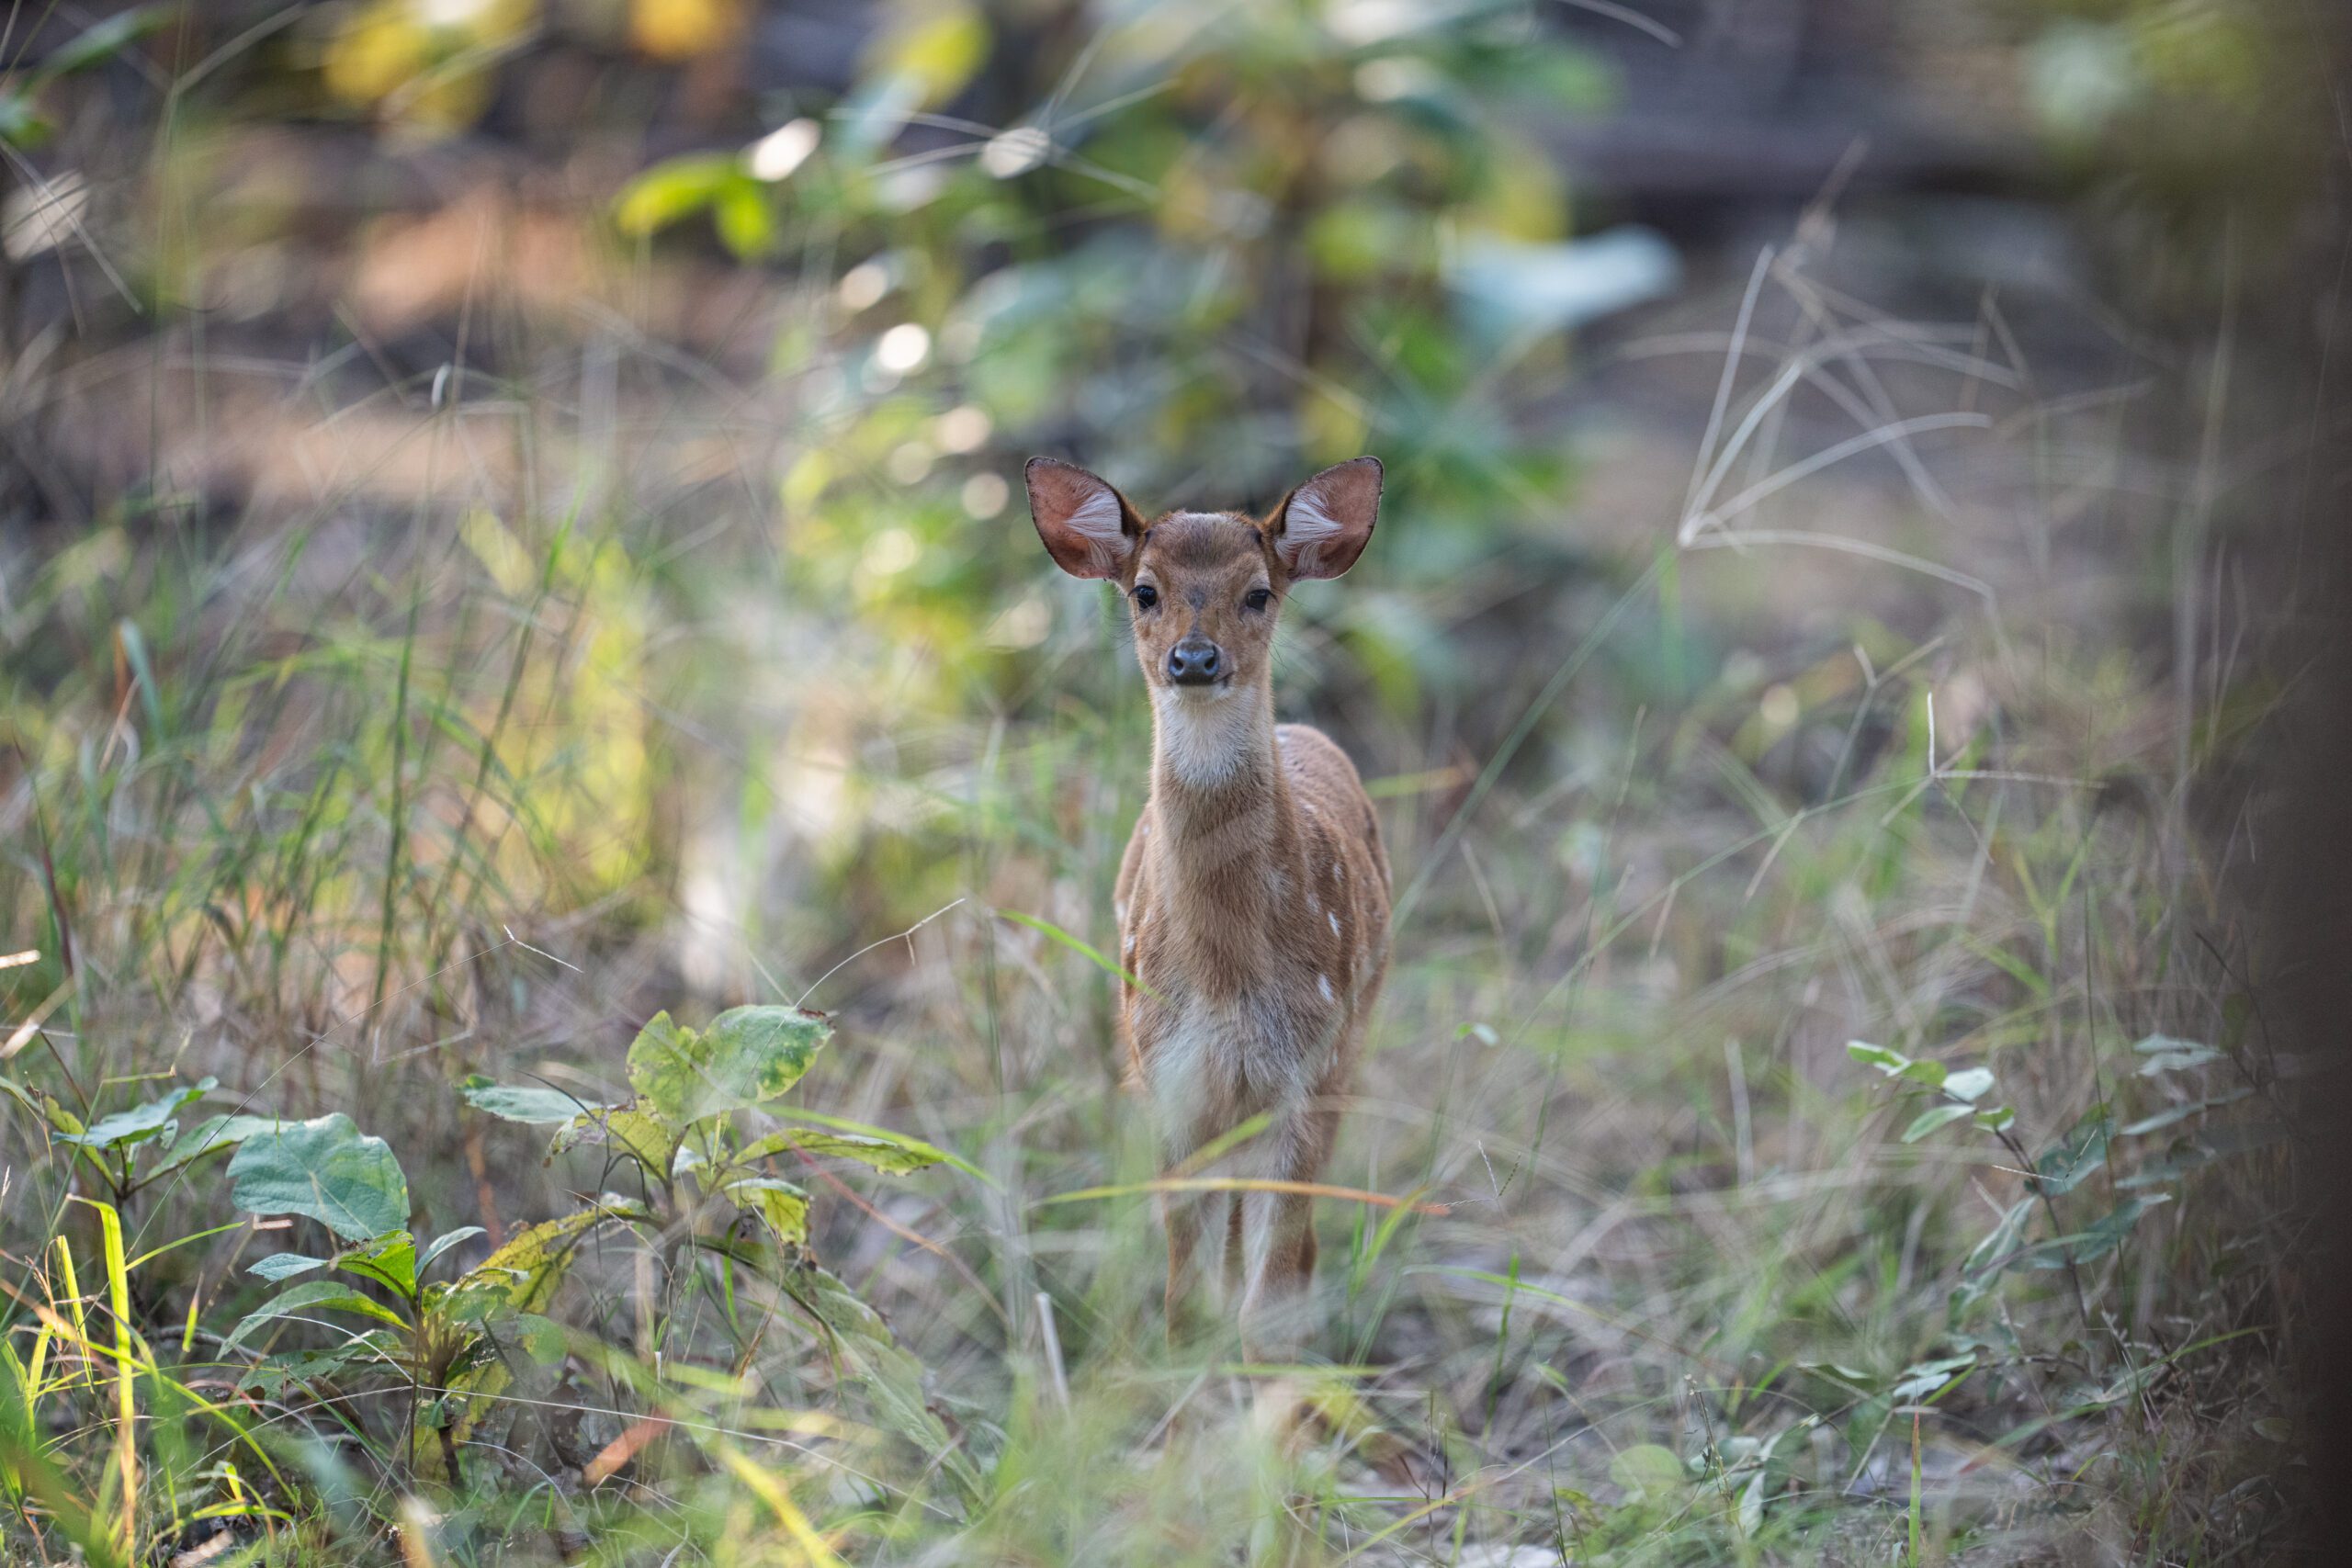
(490, 479)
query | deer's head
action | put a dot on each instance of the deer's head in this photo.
(1205, 588)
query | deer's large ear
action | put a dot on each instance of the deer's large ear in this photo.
(1089, 528)
(1323, 526)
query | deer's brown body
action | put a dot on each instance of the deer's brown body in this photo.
(1253, 898)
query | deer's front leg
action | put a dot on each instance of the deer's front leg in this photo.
(1194, 1220)
(1278, 1239)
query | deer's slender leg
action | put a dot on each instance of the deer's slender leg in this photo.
(1278, 1238)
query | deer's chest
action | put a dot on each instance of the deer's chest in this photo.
(1216, 1043)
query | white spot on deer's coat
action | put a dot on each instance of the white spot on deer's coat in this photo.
(1334, 918)
(1128, 945)
(1323, 983)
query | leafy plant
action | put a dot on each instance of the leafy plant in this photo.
(681, 1134)
(2091, 1148)
(127, 1151)
(442, 1339)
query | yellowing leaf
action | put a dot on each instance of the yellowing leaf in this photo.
(936, 47)
(680, 30)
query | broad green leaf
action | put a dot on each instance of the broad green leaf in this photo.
(212, 1134)
(1969, 1083)
(784, 1206)
(318, 1295)
(532, 1104)
(390, 1260)
(1995, 1119)
(1928, 1121)
(285, 1266)
(1924, 1071)
(748, 1055)
(867, 1129)
(664, 1065)
(893, 1154)
(645, 1136)
(140, 1124)
(758, 1052)
(325, 1169)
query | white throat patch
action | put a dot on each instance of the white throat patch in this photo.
(1202, 732)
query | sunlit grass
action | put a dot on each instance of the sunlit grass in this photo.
(544, 689)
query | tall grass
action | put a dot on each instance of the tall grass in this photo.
(577, 676)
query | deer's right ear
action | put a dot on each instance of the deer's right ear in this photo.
(1089, 528)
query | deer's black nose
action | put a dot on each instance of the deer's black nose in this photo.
(1192, 662)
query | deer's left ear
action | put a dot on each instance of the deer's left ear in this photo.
(1323, 526)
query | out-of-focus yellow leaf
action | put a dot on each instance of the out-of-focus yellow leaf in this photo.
(423, 64)
(1523, 196)
(680, 30)
(379, 49)
(934, 45)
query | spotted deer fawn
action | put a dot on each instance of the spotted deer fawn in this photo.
(1252, 900)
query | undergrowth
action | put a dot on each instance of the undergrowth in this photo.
(1820, 1109)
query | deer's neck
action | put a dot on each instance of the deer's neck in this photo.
(1224, 816)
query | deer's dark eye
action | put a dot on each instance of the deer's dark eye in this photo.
(1257, 598)
(1146, 595)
